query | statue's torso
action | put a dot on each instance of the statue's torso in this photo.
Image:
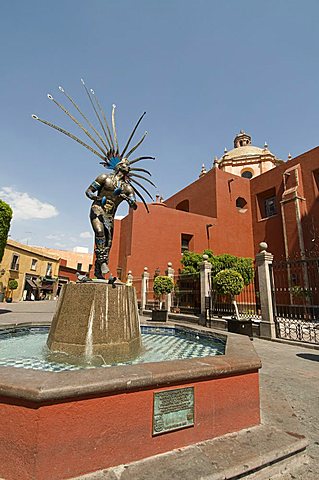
(109, 184)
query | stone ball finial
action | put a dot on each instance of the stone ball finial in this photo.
(205, 257)
(263, 246)
(145, 269)
(169, 264)
(265, 145)
(289, 156)
(129, 272)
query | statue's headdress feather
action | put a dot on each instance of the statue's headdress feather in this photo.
(108, 146)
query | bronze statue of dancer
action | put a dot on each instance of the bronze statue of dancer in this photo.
(108, 190)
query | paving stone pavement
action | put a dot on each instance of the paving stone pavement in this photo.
(290, 377)
(292, 373)
(21, 312)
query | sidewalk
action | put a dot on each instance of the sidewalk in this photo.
(24, 312)
(289, 382)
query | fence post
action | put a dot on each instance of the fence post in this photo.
(205, 288)
(129, 280)
(264, 261)
(170, 273)
(145, 278)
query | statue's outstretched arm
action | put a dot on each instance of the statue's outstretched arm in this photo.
(92, 189)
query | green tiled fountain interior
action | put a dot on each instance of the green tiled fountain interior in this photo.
(26, 347)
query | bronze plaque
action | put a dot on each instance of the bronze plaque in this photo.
(173, 409)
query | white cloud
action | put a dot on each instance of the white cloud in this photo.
(26, 207)
(85, 235)
(55, 236)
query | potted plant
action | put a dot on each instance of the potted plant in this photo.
(12, 285)
(230, 282)
(163, 285)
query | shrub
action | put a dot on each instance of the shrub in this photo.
(191, 264)
(12, 284)
(301, 292)
(5, 219)
(228, 281)
(163, 285)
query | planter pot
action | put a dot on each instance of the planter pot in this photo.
(9, 300)
(243, 327)
(159, 315)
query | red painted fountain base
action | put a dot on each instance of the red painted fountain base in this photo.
(61, 425)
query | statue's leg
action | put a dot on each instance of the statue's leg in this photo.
(101, 253)
(109, 227)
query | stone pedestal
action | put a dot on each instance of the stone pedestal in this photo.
(205, 288)
(95, 320)
(264, 261)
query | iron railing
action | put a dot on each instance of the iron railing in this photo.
(296, 299)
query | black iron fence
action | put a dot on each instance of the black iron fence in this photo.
(296, 299)
(186, 294)
(247, 301)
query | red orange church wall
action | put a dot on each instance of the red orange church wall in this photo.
(271, 229)
(156, 238)
(201, 196)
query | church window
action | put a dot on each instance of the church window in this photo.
(185, 242)
(247, 174)
(184, 206)
(270, 207)
(267, 203)
(241, 203)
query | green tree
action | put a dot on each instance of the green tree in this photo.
(229, 282)
(12, 285)
(191, 261)
(245, 266)
(162, 286)
(5, 219)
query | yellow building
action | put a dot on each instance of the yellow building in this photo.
(35, 270)
(76, 259)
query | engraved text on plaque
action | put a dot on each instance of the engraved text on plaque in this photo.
(173, 409)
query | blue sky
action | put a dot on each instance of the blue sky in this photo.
(202, 69)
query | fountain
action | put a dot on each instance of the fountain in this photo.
(95, 321)
(59, 423)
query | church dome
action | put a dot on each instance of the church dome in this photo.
(245, 159)
(246, 151)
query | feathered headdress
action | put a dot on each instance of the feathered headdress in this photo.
(108, 146)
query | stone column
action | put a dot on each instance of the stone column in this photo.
(144, 288)
(205, 288)
(264, 261)
(129, 280)
(170, 273)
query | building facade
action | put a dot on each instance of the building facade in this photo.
(249, 196)
(40, 272)
(35, 270)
